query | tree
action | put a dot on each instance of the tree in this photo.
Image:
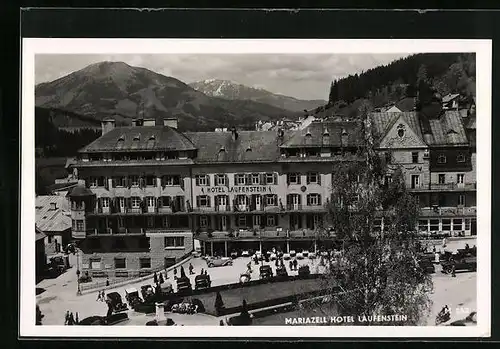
(377, 271)
(219, 304)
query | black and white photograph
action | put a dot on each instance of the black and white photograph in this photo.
(206, 184)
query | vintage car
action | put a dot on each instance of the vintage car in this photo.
(299, 255)
(115, 301)
(201, 282)
(104, 320)
(147, 292)
(305, 253)
(183, 284)
(59, 264)
(166, 288)
(245, 253)
(132, 297)
(286, 256)
(304, 270)
(219, 262)
(265, 272)
(461, 262)
(293, 253)
(234, 254)
(281, 271)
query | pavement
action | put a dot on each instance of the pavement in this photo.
(60, 293)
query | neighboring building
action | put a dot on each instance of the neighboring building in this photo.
(61, 188)
(53, 219)
(451, 101)
(40, 255)
(151, 189)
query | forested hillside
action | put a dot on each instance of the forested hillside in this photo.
(383, 85)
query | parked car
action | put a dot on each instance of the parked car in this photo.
(300, 255)
(132, 297)
(265, 272)
(234, 254)
(293, 253)
(115, 300)
(201, 282)
(245, 253)
(305, 253)
(286, 256)
(461, 262)
(219, 262)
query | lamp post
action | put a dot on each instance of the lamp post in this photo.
(79, 291)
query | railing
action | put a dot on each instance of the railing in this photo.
(452, 186)
(452, 211)
(117, 231)
(139, 210)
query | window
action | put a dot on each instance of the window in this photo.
(460, 178)
(461, 199)
(95, 263)
(434, 225)
(293, 178)
(446, 224)
(174, 241)
(242, 221)
(270, 178)
(120, 181)
(441, 178)
(203, 201)
(101, 181)
(313, 178)
(401, 132)
(441, 159)
(461, 158)
(467, 224)
(145, 263)
(202, 180)
(120, 263)
(134, 181)
(414, 157)
(171, 180)
(415, 181)
(256, 220)
(423, 225)
(136, 202)
(271, 200)
(203, 221)
(255, 179)
(457, 224)
(151, 222)
(105, 202)
(313, 200)
(79, 225)
(121, 202)
(151, 201)
(270, 221)
(93, 181)
(239, 179)
(220, 180)
(150, 181)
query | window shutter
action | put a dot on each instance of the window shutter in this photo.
(319, 199)
(275, 178)
(263, 200)
(248, 179)
(288, 178)
(300, 199)
(208, 180)
(226, 180)
(299, 178)
(198, 201)
(160, 201)
(235, 179)
(208, 201)
(308, 178)
(262, 221)
(197, 179)
(113, 182)
(181, 182)
(99, 203)
(319, 178)
(87, 182)
(275, 199)
(129, 202)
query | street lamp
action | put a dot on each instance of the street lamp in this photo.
(79, 291)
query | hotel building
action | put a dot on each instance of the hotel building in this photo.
(151, 190)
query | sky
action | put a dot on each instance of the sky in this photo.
(303, 76)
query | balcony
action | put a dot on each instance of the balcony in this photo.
(445, 187)
(448, 211)
(114, 232)
(78, 234)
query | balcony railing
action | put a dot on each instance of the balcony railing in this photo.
(139, 210)
(116, 231)
(448, 211)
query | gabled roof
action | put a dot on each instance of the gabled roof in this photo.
(382, 123)
(312, 136)
(140, 138)
(49, 219)
(250, 146)
(448, 130)
(449, 97)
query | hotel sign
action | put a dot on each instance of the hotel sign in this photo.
(242, 189)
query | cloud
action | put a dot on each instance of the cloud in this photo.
(297, 75)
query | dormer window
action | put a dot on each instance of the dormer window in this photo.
(308, 134)
(137, 137)
(441, 159)
(461, 158)
(121, 139)
(222, 150)
(248, 149)
(152, 137)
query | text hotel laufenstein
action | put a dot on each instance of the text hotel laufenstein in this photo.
(335, 320)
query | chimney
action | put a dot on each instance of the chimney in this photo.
(234, 133)
(107, 125)
(149, 122)
(53, 206)
(170, 122)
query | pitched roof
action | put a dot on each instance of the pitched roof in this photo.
(79, 190)
(250, 146)
(61, 186)
(140, 138)
(448, 129)
(49, 219)
(382, 123)
(39, 234)
(450, 97)
(312, 136)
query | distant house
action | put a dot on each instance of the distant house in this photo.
(61, 187)
(393, 109)
(451, 101)
(54, 220)
(40, 255)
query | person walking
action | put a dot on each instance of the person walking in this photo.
(71, 319)
(76, 318)
(107, 281)
(98, 297)
(66, 317)
(295, 263)
(103, 296)
(191, 269)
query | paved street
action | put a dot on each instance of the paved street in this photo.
(60, 293)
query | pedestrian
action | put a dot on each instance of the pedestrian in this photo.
(291, 265)
(107, 281)
(103, 296)
(155, 278)
(295, 264)
(175, 273)
(221, 323)
(71, 319)
(66, 317)
(161, 279)
(206, 272)
(76, 318)
(277, 262)
(98, 297)
(191, 269)
(453, 267)
(202, 271)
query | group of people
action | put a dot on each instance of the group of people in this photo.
(69, 319)
(101, 296)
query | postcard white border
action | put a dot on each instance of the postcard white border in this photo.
(33, 46)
